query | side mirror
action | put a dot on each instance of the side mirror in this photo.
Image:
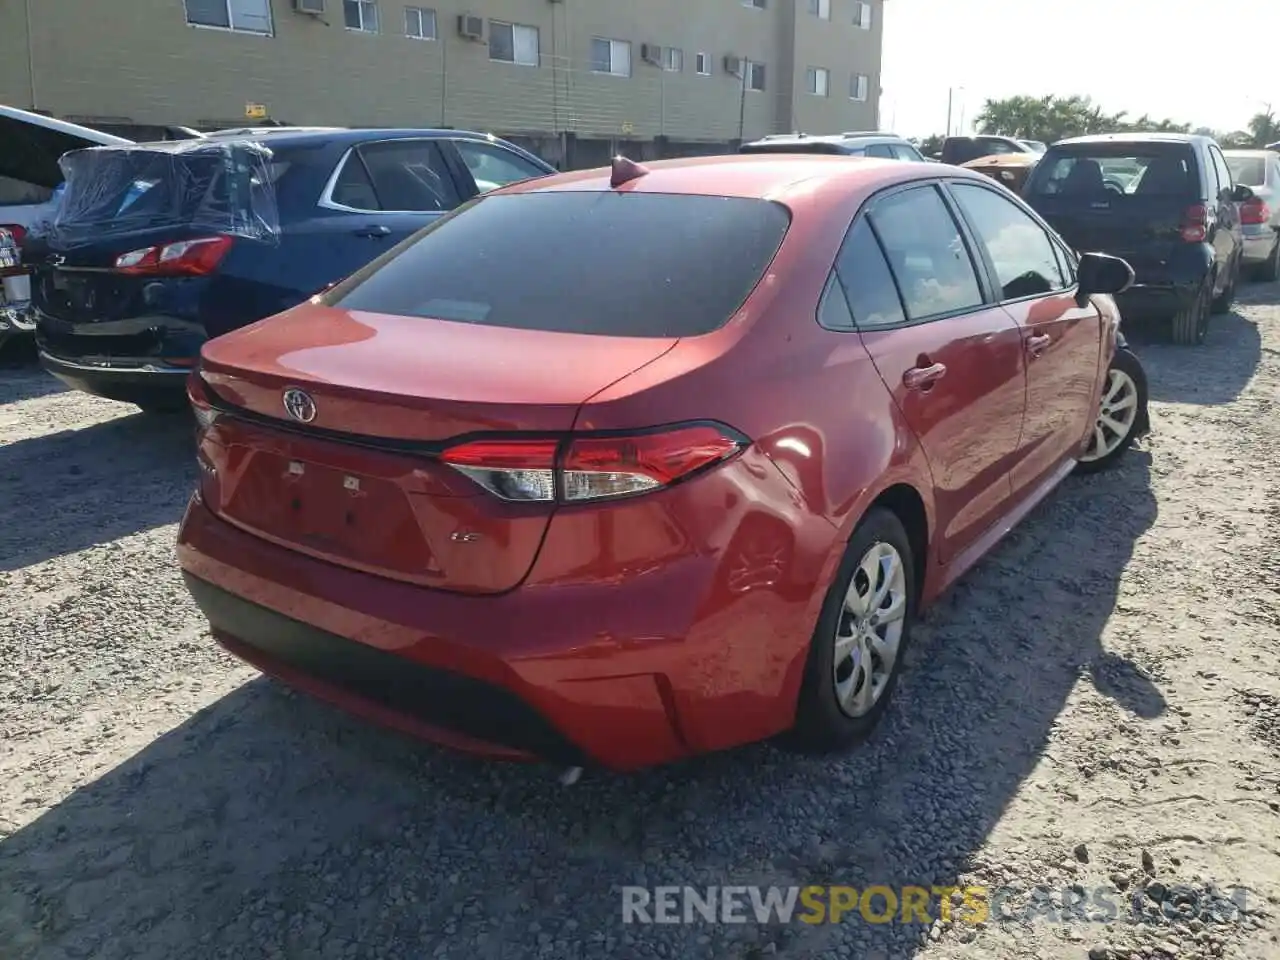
(1241, 193)
(1102, 273)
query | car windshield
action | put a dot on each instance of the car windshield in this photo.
(1251, 171)
(608, 263)
(1101, 171)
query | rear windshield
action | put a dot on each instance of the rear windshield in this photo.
(1106, 171)
(1251, 171)
(619, 264)
(816, 147)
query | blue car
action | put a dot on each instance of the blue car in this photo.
(156, 248)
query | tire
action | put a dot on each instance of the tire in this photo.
(1269, 270)
(1125, 379)
(1222, 304)
(1191, 322)
(823, 725)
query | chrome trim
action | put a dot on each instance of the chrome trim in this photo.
(100, 367)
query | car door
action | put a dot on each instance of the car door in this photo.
(1061, 340)
(1228, 239)
(378, 193)
(491, 165)
(952, 359)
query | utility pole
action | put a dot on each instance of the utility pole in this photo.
(949, 92)
(745, 66)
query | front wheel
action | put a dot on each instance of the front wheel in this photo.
(1122, 416)
(1222, 304)
(856, 652)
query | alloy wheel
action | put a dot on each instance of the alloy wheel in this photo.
(869, 632)
(1116, 417)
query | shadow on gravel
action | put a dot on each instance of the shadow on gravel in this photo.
(62, 492)
(1213, 373)
(21, 377)
(271, 825)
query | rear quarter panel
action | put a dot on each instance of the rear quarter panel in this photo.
(816, 410)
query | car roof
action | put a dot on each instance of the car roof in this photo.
(837, 138)
(62, 126)
(1136, 137)
(301, 136)
(761, 176)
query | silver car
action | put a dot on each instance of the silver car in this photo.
(1260, 217)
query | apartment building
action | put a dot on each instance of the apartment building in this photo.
(695, 71)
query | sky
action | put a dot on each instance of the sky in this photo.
(1212, 64)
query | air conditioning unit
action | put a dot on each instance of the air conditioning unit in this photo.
(651, 53)
(470, 27)
(733, 64)
(313, 7)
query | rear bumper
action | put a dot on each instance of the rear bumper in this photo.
(624, 674)
(1259, 241)
(130, 381)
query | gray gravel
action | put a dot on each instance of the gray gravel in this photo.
(1094, 705)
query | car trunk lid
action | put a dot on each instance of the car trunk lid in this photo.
(354, 477)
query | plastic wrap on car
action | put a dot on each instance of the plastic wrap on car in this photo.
(198, 186)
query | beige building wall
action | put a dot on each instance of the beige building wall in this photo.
(143, 63)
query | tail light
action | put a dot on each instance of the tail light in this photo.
(15, 230)
(588, 467)
(187, 258)
(198, 394)
(1255, 211)
(1194, 226)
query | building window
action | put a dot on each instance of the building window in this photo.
(513, 43)
(862, 15)
(755, 75)
(820, 8)
(247, 16)
(673, 60)
(420, 23)
(757, 4)
(859, 84)
(611, 56)
(818, 81)
(361, 15)
(703, 64)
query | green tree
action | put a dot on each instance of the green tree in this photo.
(1264, 128)
(1055, 118)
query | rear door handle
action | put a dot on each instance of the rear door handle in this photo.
(923, 378)
(1038, 344)
(374, 231)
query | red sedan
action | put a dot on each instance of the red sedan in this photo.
(621, 466)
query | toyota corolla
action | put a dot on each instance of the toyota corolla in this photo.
(625, 465)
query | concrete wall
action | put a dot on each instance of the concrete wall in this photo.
(145, 64)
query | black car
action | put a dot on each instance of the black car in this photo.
(887, 146)
(156, 248)
(1166, 203)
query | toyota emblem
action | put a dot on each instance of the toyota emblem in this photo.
(299, 405)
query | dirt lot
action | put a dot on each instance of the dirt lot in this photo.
(1097, 704)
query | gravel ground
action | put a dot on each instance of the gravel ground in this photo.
(1098, 704)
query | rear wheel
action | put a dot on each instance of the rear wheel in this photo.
(1121, 416)
(856, 652)
(1191, 322)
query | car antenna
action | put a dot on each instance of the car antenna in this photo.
(624, 171)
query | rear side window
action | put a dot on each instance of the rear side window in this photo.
(396, 175)
(926, 253)
(616, 264)
(868, 285)
(1251, 171)
(904, 151)
(880, 150)
(1108, 171)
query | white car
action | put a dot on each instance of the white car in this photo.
(30, 145)
(1259, 170)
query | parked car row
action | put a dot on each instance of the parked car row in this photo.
(608, 467)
